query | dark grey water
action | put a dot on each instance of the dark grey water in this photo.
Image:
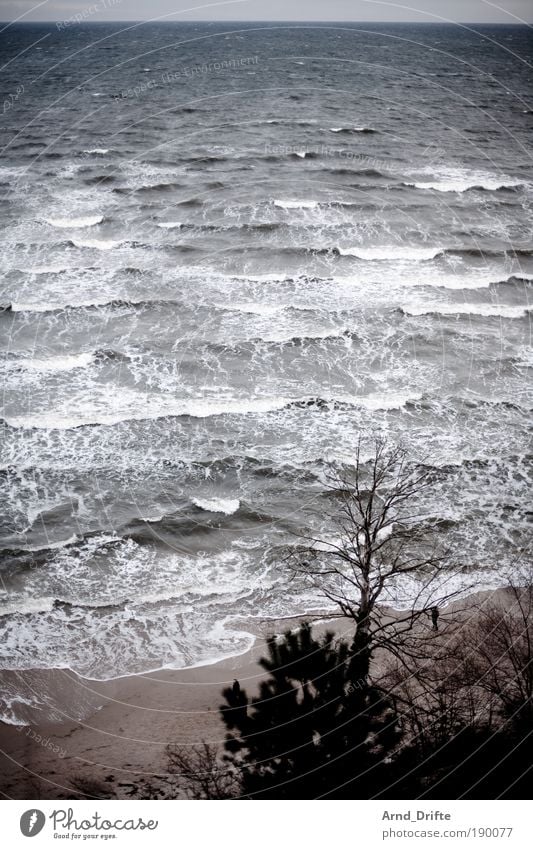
(227, 252)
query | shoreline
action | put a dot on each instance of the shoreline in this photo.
(114, 732)
(128, 724)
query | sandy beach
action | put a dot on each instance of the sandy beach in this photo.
(128, 723)
(120, 744)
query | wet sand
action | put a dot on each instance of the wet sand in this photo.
(129, 721)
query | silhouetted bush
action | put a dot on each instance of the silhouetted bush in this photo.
(314, 730)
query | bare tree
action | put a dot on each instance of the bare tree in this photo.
(467, 716)
(381, 541)
(200, 773)
(501, 637)
(439, 699)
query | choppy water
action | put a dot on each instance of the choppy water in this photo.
(215, 279)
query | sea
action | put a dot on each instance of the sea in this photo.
(229, 253)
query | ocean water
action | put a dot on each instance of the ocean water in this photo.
(229, 252)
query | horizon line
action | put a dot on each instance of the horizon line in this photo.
(273, 21)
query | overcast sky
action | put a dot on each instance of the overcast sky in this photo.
(506, 11)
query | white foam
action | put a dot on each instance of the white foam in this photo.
(290, 332)
(97, 151)
(111, 407)
(88, 221)
(212, 407)
(10, 705)
(154, 609)
(218, 505)
(418, 278)
(465, 185)
(469, 281)
(351, 130)
(98, 244)
(26, 605)
(19, 306)
(379, 400)
(170, 225)
(394, 252)
(296, 204)
(488, 310)
(128, 405)
(65, 363)
(461, 180)
(48, 546)
(46, 269)
(262, 278)
(388, 400)
(401, 591)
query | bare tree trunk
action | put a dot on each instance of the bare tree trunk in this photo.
(381, 540)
